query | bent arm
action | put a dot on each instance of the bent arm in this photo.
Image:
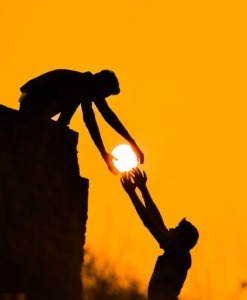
(115, 123)
(111, 118)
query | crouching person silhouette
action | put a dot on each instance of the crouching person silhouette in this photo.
(62, 91)
(171, 268)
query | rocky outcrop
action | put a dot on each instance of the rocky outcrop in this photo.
(43, 208)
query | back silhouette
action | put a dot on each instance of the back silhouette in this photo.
(171, 268)
(62, 91)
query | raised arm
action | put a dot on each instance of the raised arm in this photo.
(92, 126)
(140, 180)
(115, 123)
(148, 220)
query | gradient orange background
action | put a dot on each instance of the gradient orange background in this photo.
(182, 70)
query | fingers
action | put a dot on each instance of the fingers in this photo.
(123, 181)
(112, 169)
(140, 155)
(113, 157)
(125, 177)
(110, 164)
(136, 172)
(127, 183)
(141, 158)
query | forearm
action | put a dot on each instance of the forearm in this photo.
(148, 220)
(140, 208)
(112, 119)
(119, 128)
(117, 125)
(114, 122)
(91, 124)
(151, 206)
(95, 134)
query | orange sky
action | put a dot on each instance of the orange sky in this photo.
(182, 70)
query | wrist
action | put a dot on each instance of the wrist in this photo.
(132, 141)
(104, 154)
(131, 192)
(144, 189)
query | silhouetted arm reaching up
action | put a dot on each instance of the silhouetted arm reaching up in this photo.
(158, 232)
(114, 122)
(140, 181)
(90, 121)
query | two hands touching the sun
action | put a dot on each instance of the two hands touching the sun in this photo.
(123, 158)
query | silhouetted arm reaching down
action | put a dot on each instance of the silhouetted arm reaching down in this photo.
(158, 232)
(90, 121)
(140, 181)
(114, 122)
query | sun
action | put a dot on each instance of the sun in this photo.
(126, 158)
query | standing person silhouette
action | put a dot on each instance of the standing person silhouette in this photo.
(171, 268)
(62, 91)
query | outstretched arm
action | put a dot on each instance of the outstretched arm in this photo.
(148, 220)
(115, 123)
(92, 126)
(140, 180)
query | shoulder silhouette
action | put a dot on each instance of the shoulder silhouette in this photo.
(62, 91)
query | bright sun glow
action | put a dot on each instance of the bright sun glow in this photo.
(126, 158)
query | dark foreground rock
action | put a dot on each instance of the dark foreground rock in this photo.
(43, 208)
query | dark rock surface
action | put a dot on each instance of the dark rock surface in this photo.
(43, 208)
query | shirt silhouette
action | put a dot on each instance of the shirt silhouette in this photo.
(62, 91)
(171, 268)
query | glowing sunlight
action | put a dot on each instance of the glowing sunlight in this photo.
(126, 158)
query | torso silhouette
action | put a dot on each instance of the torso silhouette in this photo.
(58, 91)
(169, 274)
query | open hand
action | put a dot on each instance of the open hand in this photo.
(139, 178)
(108, 158)
(127, 182)
(139, 154)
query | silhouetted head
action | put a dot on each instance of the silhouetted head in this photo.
(187, 233)
(108, 82)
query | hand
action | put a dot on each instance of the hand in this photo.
(139, 178)
(138, 153)
(127, 182)
(108, 158)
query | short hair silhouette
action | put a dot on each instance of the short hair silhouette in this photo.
(109, 79)
(189, 233)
